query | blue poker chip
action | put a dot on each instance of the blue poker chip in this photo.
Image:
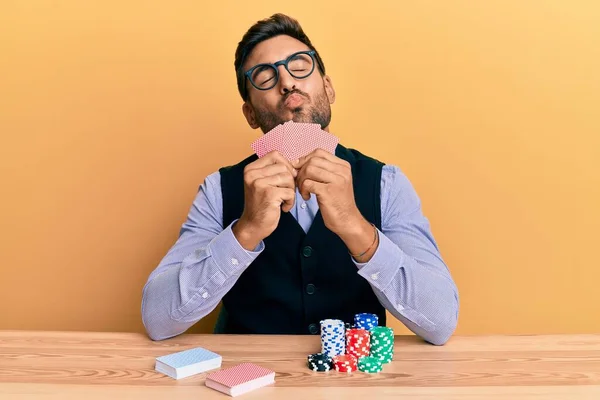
(366, 321)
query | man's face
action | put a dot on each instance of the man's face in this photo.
(300, 100)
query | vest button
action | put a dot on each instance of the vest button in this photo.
(310, 288)
(313, 329)
(307, 251)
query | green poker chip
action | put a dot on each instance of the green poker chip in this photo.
(382, 344)
(370, 365)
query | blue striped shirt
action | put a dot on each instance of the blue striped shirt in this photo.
(406, 273)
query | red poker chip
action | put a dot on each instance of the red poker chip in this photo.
(358, 342)
(345, 363)
(345, 359)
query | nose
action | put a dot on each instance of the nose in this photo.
(287, 82)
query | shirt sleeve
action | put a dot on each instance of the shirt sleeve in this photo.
(407, 272)
(198, 270)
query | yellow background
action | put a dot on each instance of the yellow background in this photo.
(113, 112)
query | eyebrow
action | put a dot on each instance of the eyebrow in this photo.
(285, 58)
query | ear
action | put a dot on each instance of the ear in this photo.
(329, 90)
(248, 111)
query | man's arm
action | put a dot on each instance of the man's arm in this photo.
(200, 268)
(406, 271)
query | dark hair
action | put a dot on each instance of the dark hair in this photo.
(277, 24)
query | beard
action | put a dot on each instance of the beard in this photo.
(314, 112)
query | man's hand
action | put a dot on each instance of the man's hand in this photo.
(269, 187)
(330, 179)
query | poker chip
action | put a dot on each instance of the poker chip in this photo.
(358, 342)
(333, 341)
(366, 321)
(364, 346)
(382, 343)
(320, 362)
(345, 363)
(371, 365)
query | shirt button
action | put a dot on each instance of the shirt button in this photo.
(310, 288)
(375, 276)
(303, 205)
(313, 329)
(307, 251)
(234, 261)
(204, 295)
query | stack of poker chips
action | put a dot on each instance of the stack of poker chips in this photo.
(345, 363)
(366, 321)
(382, 343)
(333, 341)
(358, 342)
(371, 365)
(320, 362)
(364, 346)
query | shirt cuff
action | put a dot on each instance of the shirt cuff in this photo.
(380, 270)
(228, 253)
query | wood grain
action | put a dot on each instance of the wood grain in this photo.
(121, 365)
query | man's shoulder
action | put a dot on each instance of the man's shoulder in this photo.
(392, 176)
(354, 155)
(214, 180)
(240, 165)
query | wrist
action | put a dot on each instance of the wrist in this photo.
(245, 235)
(367, 254)
(361, 239)
(356, 228)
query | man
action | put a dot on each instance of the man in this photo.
(286, 244)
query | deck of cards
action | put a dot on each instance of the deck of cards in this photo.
(188, 362)
(294, 140)
(240, 379)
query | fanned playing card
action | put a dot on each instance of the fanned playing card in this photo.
(240, 379)
(268, 142)
(294, 140)
(312, 139)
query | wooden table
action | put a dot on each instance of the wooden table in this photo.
(88, 365)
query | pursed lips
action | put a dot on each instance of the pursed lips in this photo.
(293, 100)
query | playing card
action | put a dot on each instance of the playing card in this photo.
(285, 145)
(258, 146)
(314, 138)
(294, 140)
(294, 131)
(269, 141)
(240, 379)
(291, 136)
(325, 140)
(188, 362)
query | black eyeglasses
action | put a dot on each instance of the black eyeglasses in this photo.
(265, 76)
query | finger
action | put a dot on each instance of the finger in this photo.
(282, 180)
(287, 198)
(317, 174)
(269, 170)
(273, 157)
(323, 154)
(309, 186)
(328, 166)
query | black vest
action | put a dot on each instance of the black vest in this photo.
(300, 279)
